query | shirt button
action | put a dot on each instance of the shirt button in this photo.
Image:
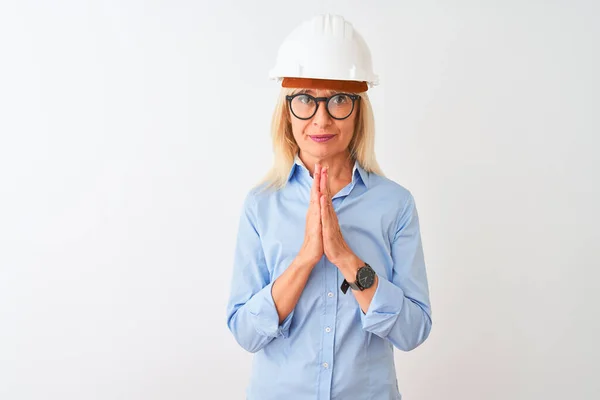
(328, 329)
(330, 294)
(325, 365)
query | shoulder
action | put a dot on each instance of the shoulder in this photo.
(401, 200)
(256, 208)
(257, 195)
(390, 190)
(396, 198)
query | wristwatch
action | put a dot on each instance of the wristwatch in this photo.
(365, 277)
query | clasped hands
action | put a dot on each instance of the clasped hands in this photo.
(323, 234)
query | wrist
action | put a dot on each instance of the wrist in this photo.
(361, 277)
(303, 262)
(349, 266)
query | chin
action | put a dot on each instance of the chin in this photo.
(324, 151)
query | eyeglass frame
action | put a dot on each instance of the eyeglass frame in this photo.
(317, 100)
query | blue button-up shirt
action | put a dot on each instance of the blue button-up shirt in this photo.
(327, 348)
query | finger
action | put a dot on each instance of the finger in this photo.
(317, 212)
(328, 207)
(327, 186)
(316, 182)
(323, 185)
(331, 215)
(324, 211)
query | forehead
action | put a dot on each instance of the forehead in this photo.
(317, 92)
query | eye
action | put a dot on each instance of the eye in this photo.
(303, 99)
(340, 99)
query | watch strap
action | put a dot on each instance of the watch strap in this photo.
(346, 285)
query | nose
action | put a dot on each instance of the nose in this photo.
(322, 118)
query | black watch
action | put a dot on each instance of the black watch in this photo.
(365, 278)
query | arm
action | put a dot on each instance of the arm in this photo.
(400, 309)
(259, 310)
(289, 286)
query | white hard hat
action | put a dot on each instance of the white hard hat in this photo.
(325, 47)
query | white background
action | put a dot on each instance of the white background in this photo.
(130, 132)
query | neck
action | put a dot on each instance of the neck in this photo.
(340, 165)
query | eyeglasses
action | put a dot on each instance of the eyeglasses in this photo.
(339, 106)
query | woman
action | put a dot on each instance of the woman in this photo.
(329, 273)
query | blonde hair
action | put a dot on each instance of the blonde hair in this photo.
(285, 148)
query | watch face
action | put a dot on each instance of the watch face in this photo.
(366, 277)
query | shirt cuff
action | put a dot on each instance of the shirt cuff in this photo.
(265, 318)
(384, 309)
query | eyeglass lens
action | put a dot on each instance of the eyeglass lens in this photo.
(339, 106)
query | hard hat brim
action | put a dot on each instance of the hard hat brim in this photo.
(328, 84)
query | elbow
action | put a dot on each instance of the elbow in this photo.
(249, 345)
(246, 336)
(411, 342)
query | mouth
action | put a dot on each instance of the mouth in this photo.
(321, 138)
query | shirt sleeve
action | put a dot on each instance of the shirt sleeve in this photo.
(400, 309)
(251, 314)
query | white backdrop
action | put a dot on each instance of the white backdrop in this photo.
(130, 132)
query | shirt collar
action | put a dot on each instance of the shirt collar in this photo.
(357, 170)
